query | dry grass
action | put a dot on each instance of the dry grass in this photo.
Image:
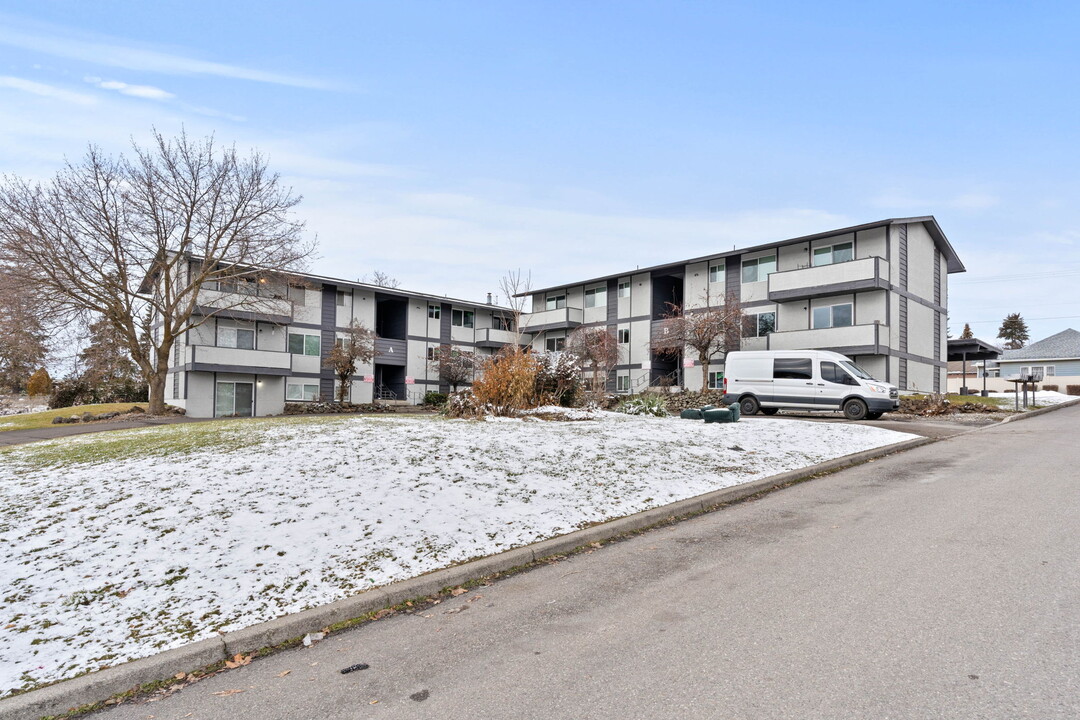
(31, 421)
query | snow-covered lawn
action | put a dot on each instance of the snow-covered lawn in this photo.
(118, 545)
(1042, 398)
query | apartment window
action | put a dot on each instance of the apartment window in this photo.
(434, 312)
(297, 294)
(624, 336)
(241, 285)
(234, 337)
(716, 272)
(554, 302)
(341, 298)
(432, 353)
(622, 383)
(555, 344)
(624, 289)
(301, 392)
(303, 344)
(793, 369)
(595, 297)
(759, 269)
(462, 318)
(175, 385)
(501, 322)
(759, 324)
(716, 381)
(841, 252)
(832, 316)
(234, 399)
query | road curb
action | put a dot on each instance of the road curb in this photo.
(1040, 411)
(98, 686)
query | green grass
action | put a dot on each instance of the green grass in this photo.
(32, 421)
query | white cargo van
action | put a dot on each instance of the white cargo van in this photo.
(770, 380)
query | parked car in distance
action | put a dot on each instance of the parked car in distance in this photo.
(771, 380)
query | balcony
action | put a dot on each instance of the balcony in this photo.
(847, 277)
(208, 358)
(496, 338)
(863, 339)
(246, 307)
(560, 319)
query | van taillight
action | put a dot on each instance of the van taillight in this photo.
(725, 385)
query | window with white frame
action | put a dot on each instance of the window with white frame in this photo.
(556, 343)
(434, 312)
(462, 318)
(235, 337)
(716, 272)
(622, 383)
(304, 344)
(1039, 371)
(554, 302)
(759, 269)
(716, 381)
(832, 316)
(297, 294)
(596, 297)
(758, 324)
(341, 294)
(838, 253)
(624, 289)
(624, 336)
(301, 392)
(502, 322)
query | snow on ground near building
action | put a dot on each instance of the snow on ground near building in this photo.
(116, 546)
(1042, 398)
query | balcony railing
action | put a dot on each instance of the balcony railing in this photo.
(553, 319)
(246, 307)
(496, 338)
(853, 276)
(864, 337)
(210, 358)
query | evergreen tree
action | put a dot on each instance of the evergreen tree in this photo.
(1014, 331)
(966, 334)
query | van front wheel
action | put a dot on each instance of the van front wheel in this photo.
(873, 416)
(749, 405)
(855, 410)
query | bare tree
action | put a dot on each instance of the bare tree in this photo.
(155, 243)
(597, 349)
(358, 346)
(453, 366)
(378, 277)
(22, 334)
(708, 331)
(516, 287)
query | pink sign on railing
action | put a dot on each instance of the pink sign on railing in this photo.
(369, 378)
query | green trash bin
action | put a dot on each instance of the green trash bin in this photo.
(690, 414)
(718, 415)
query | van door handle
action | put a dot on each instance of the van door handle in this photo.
(821, 384)
(809, 383)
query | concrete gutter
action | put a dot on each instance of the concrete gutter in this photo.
(98, 686)
(1040, 411)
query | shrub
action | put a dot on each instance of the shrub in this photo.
(40, 383)
(1050, 388)
(647, 404)
(507, 382)
(462, 405)
(1072, 389)
(69, 392)
(437, 399)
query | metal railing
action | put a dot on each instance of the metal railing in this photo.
(384, 393)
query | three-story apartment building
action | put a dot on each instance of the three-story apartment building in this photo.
(875, 292)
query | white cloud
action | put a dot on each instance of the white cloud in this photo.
(148, 92)
(118, 53)
(43, 90)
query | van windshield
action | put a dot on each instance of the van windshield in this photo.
(856, 370)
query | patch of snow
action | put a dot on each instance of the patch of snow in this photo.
(115, 559)
(1041, 397)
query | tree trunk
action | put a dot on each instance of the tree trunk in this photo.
(703, 358)
(157, 394)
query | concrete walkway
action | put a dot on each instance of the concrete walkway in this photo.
(937, 583)
(21, 437)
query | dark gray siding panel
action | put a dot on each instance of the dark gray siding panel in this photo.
(903, 250)
(444, 336)
(612, 319)
(328, 320)
(733, 287)
(391, 352)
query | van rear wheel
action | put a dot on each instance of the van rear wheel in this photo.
(749, 405)
(856, 409)
(769, 411)
(873, 415)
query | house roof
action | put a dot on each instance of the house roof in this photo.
(1063, 345)
(942, 243)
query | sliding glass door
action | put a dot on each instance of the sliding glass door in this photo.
(234, 399)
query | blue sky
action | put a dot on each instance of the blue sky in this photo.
(446, 143)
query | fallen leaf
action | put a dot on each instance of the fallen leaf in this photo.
(458, 591)
(474, 598)
(180, 676)
(238, 661)
(283, 673)
(226, 693)
(595, 545)
(373, 702)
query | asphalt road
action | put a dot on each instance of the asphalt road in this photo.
(940, 583)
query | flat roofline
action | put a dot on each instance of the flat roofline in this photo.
(954, 264)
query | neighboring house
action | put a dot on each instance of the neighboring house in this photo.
(876, 292)
(1050, 360)
(252, 358)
